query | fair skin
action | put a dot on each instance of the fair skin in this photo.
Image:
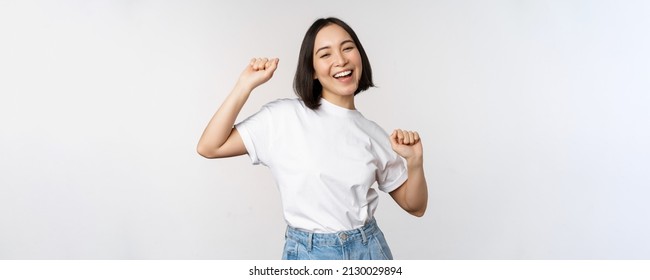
(335, 54)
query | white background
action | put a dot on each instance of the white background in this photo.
(534, 115)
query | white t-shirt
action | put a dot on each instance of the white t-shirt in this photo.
(324, 161)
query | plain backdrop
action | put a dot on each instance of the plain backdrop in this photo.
(534, 115)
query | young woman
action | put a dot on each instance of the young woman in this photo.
(323, 153)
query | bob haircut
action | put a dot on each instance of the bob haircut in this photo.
(304, 84)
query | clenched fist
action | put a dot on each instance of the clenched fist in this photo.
(258, 71)
(407, 144)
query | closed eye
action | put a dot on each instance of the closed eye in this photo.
(348, 45)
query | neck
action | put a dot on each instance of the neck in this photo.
(341, 101)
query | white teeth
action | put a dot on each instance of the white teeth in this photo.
(344, 73)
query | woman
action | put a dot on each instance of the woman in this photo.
(324, 155)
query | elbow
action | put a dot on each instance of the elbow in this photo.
(204, 152)
(418, 213)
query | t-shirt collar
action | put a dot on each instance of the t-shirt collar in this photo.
(332, 108)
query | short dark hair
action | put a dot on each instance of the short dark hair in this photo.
(304, 84)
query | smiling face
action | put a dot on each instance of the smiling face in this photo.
(337, 65)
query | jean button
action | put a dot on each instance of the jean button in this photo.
(343, 236)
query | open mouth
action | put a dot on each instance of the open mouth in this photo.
(343, 74)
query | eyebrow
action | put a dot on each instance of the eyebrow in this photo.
(327, 47)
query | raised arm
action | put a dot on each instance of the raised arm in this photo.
(412, 195)
(220, 139)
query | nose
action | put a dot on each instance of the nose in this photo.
(340, 59)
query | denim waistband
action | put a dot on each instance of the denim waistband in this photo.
(308, 238)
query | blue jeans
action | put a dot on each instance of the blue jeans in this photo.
(366, 243)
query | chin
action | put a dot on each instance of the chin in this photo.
(347, 93)
(344, 91)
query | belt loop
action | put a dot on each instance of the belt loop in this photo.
(309, 241)
(364, 239)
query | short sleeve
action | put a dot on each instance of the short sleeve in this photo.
(391, 172)
(255, 133)
(392, 175)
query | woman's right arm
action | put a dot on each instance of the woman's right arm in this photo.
(220, 139)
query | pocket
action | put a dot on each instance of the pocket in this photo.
(379, 249)
(290, 249)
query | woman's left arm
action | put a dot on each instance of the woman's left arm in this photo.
(412, 195)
